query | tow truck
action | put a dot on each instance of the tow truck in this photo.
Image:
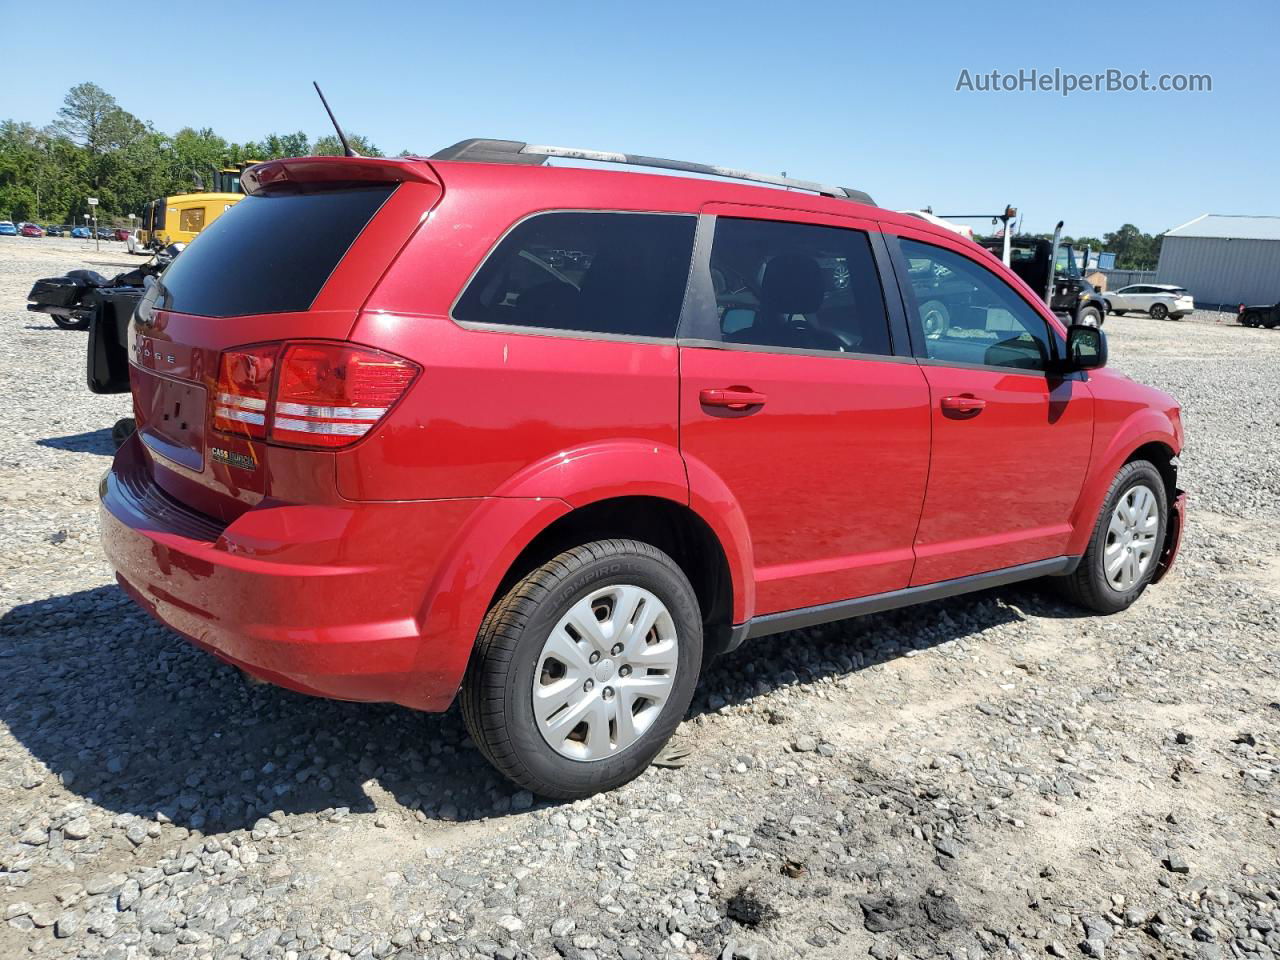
(1049, 267)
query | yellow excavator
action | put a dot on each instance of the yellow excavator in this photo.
(179, 218)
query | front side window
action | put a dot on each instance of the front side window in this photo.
(610, 273)
(798, 286)
(968, 314)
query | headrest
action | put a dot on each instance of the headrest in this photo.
(792, 284)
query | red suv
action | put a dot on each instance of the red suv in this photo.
(552, 437)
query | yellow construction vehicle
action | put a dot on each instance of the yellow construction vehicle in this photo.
(179, 218)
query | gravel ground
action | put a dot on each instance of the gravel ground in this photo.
(989, 776)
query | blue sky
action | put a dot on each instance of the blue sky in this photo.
(861, 95)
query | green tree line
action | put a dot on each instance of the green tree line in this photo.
(96, 148)
(1134, 249)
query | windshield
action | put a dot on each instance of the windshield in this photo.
(1066, 262)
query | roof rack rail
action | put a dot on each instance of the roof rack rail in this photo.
(514, 151)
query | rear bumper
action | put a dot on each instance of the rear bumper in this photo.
(1173, 538)
(328, 600)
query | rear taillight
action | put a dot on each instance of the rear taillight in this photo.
(244, 388)
(324, 395)
(329, 395)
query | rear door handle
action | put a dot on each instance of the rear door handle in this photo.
(966, 403)
(735, 398)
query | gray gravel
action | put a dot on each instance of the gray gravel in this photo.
(988, 776)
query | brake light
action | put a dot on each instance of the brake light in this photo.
(330, 395)
(324, 395)
(244, 387)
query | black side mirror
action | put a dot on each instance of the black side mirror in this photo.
(1086, 347)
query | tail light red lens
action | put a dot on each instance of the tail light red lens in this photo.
(328, 396)
(244, 388)
(324, 395)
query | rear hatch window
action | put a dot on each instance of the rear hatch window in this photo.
(270, 253)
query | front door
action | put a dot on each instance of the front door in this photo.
(792, 393)
(1011, 440)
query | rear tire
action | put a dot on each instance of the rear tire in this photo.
(70, 323)
(1159, 311)
(516, 702)
(1094, 584)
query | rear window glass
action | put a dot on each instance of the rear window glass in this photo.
(611, 273)
(269, 254)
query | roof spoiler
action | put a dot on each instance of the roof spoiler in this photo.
(264, 177)
(513, 151)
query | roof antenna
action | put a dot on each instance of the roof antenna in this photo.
(346, 147)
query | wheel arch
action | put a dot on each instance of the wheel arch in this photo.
(1148, 437)
(674, 528)
(1161, 455)
(624, 488)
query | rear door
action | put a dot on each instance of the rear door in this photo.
(798, 391)
(1011, 440)
(294, 262)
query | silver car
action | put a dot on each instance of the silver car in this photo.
(1160, 300)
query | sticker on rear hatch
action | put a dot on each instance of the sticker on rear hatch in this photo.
(231, 458)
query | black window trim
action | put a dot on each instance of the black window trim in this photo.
(699, 320)
(564, 333)
(920, 351)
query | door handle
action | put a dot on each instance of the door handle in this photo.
(735, 398)
(966, 403)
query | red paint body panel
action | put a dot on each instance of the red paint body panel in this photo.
(364, 572)
(500, 412)
(1003, 480)
(1127, 416)
(310, 592)
(1173, 540)
(829, 472)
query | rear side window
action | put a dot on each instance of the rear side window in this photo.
(798, 286)
(269, 254)
(609, 273)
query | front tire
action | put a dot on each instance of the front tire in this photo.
(584, 669)
(70, 323)
(1089, 317)
(1127, 541)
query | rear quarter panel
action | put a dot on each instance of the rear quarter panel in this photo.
(498, 412)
